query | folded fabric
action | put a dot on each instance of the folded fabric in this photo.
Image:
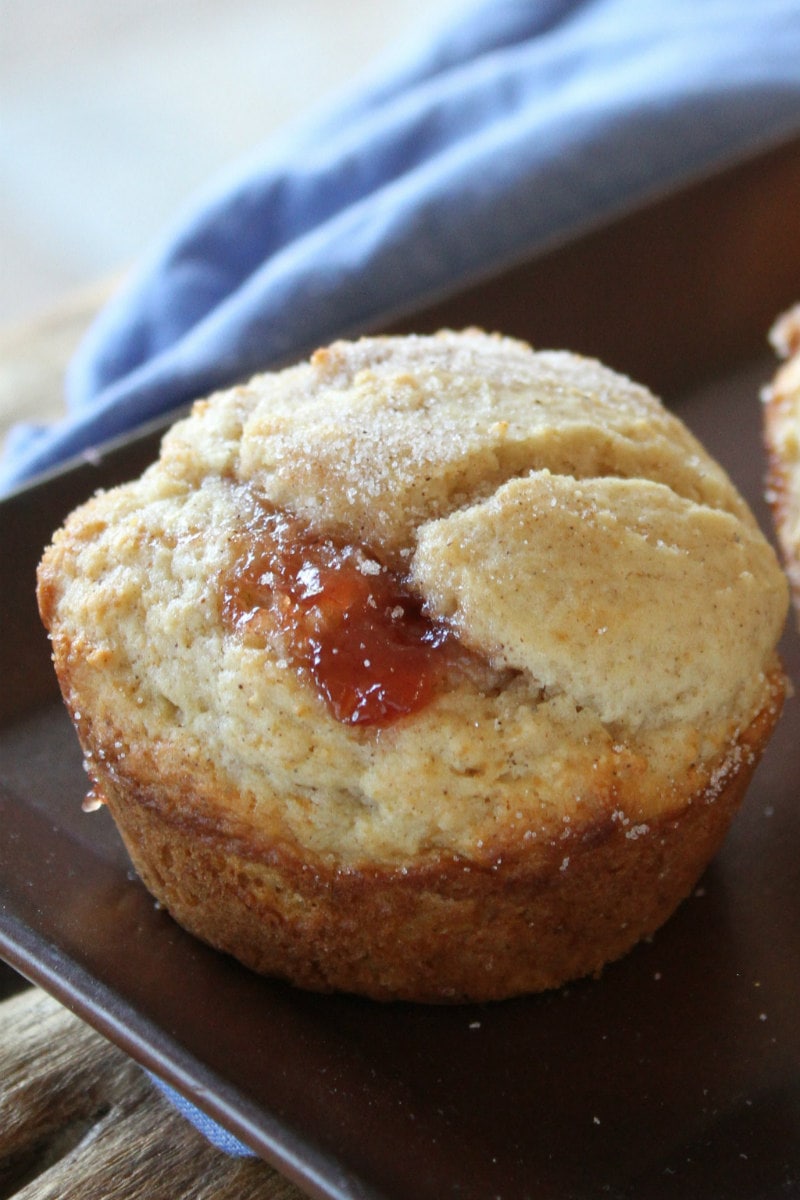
(511, 126)
(210, 1129)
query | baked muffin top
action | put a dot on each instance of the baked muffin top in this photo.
(617, 604)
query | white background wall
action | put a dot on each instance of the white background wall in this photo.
(112, 112)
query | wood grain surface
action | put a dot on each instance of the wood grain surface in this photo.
(34, 355)
(81, 1121)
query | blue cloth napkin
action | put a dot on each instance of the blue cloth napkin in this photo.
(210, 1129)
(205, 1125)
(510, 126)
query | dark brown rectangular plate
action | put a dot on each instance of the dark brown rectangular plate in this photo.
(677, 1073)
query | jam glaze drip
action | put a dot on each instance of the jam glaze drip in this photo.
(340, 617)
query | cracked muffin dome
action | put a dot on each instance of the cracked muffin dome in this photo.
(433, 669)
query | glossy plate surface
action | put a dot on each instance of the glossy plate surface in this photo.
(676, 1074)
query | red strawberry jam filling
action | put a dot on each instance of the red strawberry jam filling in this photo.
(350, 623)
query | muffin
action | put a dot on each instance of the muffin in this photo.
(782, 435)
(432, 669)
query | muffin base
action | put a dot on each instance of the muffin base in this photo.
(443, 930)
